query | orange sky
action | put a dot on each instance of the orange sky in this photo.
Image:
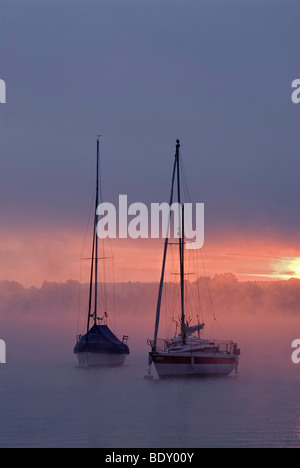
(55, 256)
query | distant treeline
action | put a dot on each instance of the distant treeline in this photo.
(224, 293)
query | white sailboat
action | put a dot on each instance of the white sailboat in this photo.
(187, 354)
(99, 346)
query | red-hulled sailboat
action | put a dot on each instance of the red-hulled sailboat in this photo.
(187, 354)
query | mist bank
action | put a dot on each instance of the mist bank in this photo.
(223, 292)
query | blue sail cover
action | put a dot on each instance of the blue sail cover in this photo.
(100, 339)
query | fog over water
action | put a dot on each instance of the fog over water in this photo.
(46, 401)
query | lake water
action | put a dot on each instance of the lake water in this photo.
(56, 404)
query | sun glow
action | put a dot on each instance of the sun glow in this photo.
(288, 268)
(295, 266)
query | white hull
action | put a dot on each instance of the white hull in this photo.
(198, 364)
(87, 359)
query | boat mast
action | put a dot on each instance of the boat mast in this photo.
(181, 245)
(183, 334)
(161, 284)
(94, 263)
(96, 237)
(90, 315)
(181, 252)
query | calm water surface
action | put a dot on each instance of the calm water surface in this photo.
(59, 405)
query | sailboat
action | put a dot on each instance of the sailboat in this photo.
(187, 353)
(99, 346)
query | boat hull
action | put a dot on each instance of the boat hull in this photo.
(200, 364)
(88, 359)
(100, 348)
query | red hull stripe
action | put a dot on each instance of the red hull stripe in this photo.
(188, 360)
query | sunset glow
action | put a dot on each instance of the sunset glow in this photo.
(56, 256)
(290, 268)
(296, 266)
